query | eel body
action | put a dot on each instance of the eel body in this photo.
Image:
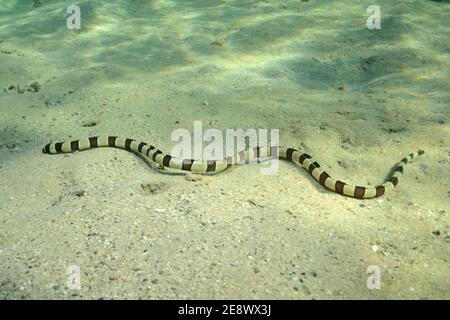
(297, 156)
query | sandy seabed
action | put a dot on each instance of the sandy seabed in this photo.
(357, 99)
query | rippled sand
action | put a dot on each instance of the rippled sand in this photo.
(356, 99)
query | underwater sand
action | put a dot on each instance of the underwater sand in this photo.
(358, 100)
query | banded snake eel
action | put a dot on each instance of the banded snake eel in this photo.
(297, 156)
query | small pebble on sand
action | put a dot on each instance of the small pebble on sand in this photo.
(193, 177)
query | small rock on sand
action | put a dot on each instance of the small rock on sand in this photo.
(193, 177)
